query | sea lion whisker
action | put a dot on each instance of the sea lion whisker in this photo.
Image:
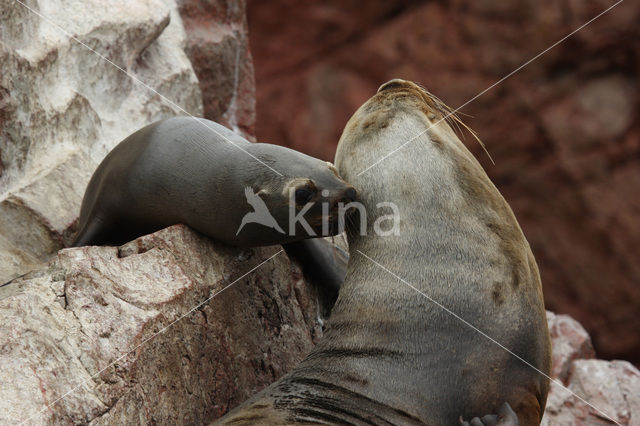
(350, 224)
(450, 116)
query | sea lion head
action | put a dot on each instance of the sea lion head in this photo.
(399, 111)
(384, 149)
(307, 192)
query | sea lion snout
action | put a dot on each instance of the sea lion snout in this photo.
(394, 84)
(346, 196)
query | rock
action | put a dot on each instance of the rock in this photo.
(14, 259)
(587, 391)
(569, 341)
(45, 207)
(563, 131)
(62, 107)
(170, 328)
(611, 388)
(599, 110)
(218, 47)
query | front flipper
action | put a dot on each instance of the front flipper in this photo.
(324, 265)
(505, 417)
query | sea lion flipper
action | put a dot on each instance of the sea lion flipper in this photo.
(324, 265)
(505, 417)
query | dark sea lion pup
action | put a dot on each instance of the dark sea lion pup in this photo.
(390, 355)
(197, 172)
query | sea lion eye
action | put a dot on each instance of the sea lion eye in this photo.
(303, 196)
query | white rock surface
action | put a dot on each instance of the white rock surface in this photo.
(611, 388)
(597, 392)
(63, 107)
(570, 341)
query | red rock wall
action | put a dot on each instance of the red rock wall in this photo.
(218, 48)
(564, 132)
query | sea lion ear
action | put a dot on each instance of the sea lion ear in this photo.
(332, 167)
(286, 189)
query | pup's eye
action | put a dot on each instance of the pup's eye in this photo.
(303, 196)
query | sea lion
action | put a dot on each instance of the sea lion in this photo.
(390, 355)
(197, 172)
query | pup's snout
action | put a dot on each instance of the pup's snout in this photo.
(347, 196)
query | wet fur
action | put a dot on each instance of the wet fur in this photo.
(389, 355)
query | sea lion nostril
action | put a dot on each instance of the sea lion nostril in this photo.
(392, 84)
(349, 195)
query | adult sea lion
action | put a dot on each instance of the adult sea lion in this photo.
(390, 355)
(182, 170)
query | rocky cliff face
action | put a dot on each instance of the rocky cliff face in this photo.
(587, 391)
(564, 131)
(64, 107)
(217, 45)
(167, 329)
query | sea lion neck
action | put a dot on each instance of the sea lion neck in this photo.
(432, 207)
